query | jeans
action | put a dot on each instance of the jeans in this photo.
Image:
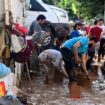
(69, 60)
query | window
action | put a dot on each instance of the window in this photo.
(34, 5)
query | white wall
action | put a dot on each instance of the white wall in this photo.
(1, 8)
(17, 11)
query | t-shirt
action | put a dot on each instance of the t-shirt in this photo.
(87, 29)
(74, 33)
(55, 57)
(71, 42)
(96, 31)
(102, 27)
(34, 26)
(102, 35)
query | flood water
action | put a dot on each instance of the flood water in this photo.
(58, 94)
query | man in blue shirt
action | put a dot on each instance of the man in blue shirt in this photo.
(72, 47)
(75, 32)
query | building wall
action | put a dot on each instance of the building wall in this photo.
(17, 11)
(1, 8)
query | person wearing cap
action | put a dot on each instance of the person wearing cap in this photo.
(72, 48)
(36, 25)
(77, 32)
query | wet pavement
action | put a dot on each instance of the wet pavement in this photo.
(58, 94)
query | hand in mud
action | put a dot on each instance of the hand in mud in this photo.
(78, 61)
(88, 75)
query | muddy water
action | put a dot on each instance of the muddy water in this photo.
(58, 94)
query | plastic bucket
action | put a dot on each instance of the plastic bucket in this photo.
(74, 90)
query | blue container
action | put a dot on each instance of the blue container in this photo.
(4, 70)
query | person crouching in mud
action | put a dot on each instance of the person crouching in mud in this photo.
(51, 60)
(70, 51)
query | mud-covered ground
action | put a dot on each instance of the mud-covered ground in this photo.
(58, 94)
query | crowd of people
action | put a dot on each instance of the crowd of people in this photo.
(79, 45)
(74, 49)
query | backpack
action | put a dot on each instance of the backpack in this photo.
(39, 37)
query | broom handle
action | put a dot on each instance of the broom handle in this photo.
(30, 81)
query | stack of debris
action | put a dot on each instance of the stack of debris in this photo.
(8, 89)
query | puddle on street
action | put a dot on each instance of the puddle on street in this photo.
(58, 94)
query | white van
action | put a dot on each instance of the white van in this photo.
(53, 14)
(26, 11)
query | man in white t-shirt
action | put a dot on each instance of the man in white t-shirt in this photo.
(51, 60)
(101, 24)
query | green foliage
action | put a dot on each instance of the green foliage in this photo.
(83, 8)
(91, 8)
(51, 2)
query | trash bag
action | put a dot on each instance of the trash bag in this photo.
(8, 84)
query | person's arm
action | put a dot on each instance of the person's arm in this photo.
(90, 33)
(34, 28)
(75, 50)
(63, 68)
(84, 64)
